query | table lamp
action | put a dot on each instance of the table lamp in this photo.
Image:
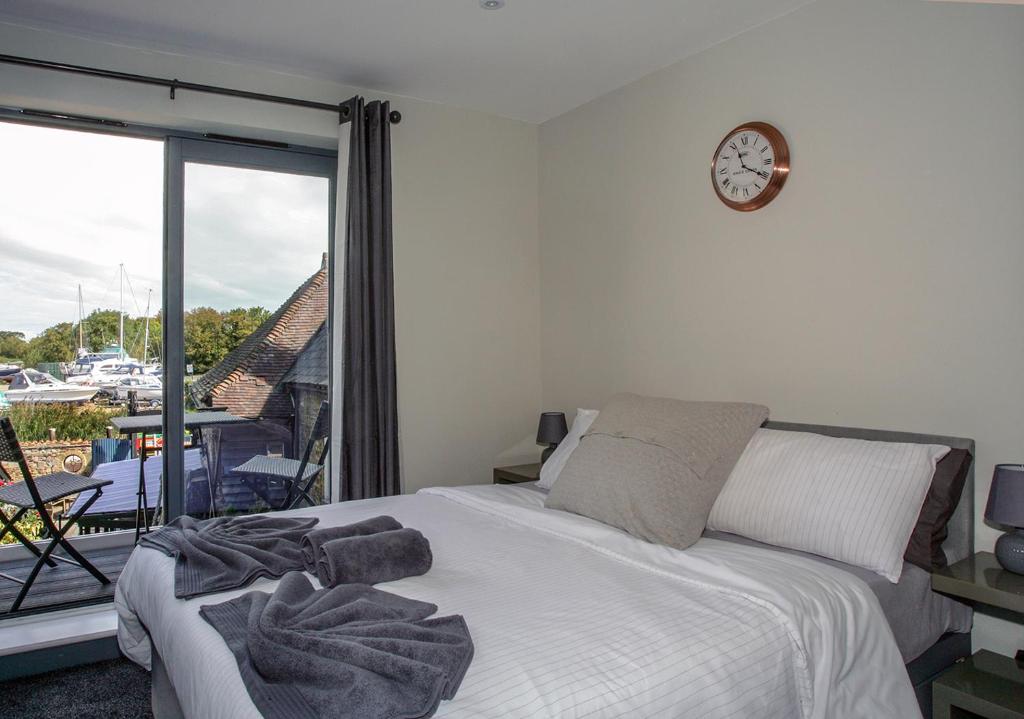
(1006, 506)
(551, 430)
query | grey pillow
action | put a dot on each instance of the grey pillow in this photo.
(654, 466)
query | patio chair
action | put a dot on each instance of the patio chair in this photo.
(297, 475)
(35, 493)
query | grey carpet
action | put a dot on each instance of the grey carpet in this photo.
(114, 689)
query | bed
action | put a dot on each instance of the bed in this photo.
(573, 618)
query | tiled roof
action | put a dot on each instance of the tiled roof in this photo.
(311, 365)
(247, 381)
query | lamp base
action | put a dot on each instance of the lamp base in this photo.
(547, 453)
(1010, 551)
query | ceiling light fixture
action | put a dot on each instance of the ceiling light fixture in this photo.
(492, 4)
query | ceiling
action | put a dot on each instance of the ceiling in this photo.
(532, 60)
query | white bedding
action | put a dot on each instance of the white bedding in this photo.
(572, 618)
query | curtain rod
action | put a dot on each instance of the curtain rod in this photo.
(344, 109)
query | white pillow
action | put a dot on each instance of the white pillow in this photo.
(553, 467)
(852, 500)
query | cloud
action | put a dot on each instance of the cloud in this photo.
(74, 205)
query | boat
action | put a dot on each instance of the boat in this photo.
(91, 370)
(8, 370)
(31, 386)
(146, 387)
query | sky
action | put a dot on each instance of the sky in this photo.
(74, 205)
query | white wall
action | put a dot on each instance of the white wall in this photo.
(466, 233)
(882, 288)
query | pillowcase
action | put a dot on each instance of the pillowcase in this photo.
(550, 470)
(852, 500)
(653, 466)
(925, 546)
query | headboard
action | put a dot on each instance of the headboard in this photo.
(960, 542)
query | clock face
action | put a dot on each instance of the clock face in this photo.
(750, 166)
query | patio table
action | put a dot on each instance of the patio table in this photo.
(153, 424)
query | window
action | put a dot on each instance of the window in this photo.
(145, 271)
(81, 246)
(256, 229)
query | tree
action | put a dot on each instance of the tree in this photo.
(53, 344)
(204, 338)
(241, 322)
(210, 335)
(12, 345)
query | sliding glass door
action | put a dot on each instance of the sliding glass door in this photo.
(249, 242)
(218, 333)
(81, 274)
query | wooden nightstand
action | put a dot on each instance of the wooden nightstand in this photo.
(517, 473)
(987, 684)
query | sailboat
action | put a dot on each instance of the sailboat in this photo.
(105, 369)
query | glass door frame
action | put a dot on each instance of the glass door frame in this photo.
(178, 151)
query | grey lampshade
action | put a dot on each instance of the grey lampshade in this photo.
(552, 428)
(1006, 497)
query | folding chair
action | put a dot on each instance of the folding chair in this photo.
(297, 475)
(35, 494)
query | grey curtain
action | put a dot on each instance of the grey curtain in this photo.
(369, 412)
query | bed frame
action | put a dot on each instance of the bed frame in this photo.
(958, 545)
(923, 670)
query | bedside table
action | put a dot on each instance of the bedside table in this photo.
(517, 473)
(986, 684)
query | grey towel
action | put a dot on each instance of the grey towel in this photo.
(222, 553)
(351, 652)
(312, 542)
(381, 557)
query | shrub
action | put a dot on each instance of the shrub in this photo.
(30, 525)
(33, 421)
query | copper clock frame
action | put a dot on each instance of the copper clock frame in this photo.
(779, 173)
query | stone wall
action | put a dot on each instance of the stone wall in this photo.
(46, 457)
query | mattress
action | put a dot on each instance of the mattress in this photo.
(573, 618)
(917, 616)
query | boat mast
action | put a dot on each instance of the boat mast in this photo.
(145, 341)
(120, 314)
(81, 322)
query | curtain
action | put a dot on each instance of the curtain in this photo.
(369, 411)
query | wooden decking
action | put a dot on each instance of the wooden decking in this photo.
(63, 586)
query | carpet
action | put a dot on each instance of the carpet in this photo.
(115, 689)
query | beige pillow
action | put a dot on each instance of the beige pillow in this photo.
(654, 466)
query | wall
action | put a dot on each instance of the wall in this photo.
(882, 288)
(465, 229)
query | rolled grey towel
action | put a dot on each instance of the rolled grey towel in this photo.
(374, 558)
(312, 542)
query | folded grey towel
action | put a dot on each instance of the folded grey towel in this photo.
(351, 652)
(312, 542)
(222, 553)
(374, 558)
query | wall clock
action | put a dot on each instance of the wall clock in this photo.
(750, 166)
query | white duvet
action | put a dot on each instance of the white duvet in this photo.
(572, 618)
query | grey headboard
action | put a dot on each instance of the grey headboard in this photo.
(960, 542)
